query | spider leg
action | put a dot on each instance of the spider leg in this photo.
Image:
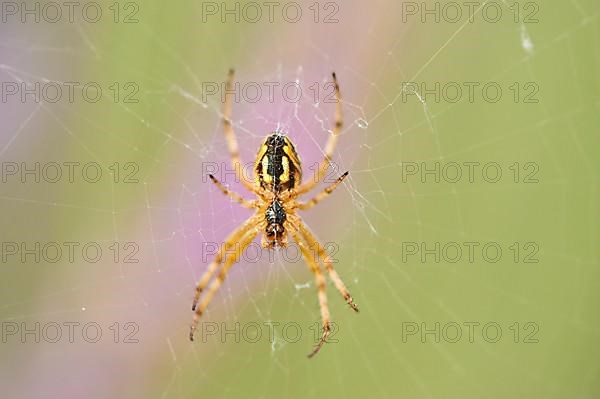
(214, 286)
(232, 144)
(233, 195)
(331, 143)
(320, 282)
(313, 243)
(317, 198)
(231, 241)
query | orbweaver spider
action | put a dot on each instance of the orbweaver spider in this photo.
(277, 184)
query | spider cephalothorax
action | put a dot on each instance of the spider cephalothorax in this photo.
(277, 185)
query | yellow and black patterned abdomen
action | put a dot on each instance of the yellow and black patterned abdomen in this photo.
(277, 166)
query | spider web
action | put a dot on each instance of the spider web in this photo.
(173, 214)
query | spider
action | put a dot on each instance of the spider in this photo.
(277, 184)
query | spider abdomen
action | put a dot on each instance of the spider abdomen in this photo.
(275, 217)
(275, 213)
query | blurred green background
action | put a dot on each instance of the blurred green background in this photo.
(542, 292)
